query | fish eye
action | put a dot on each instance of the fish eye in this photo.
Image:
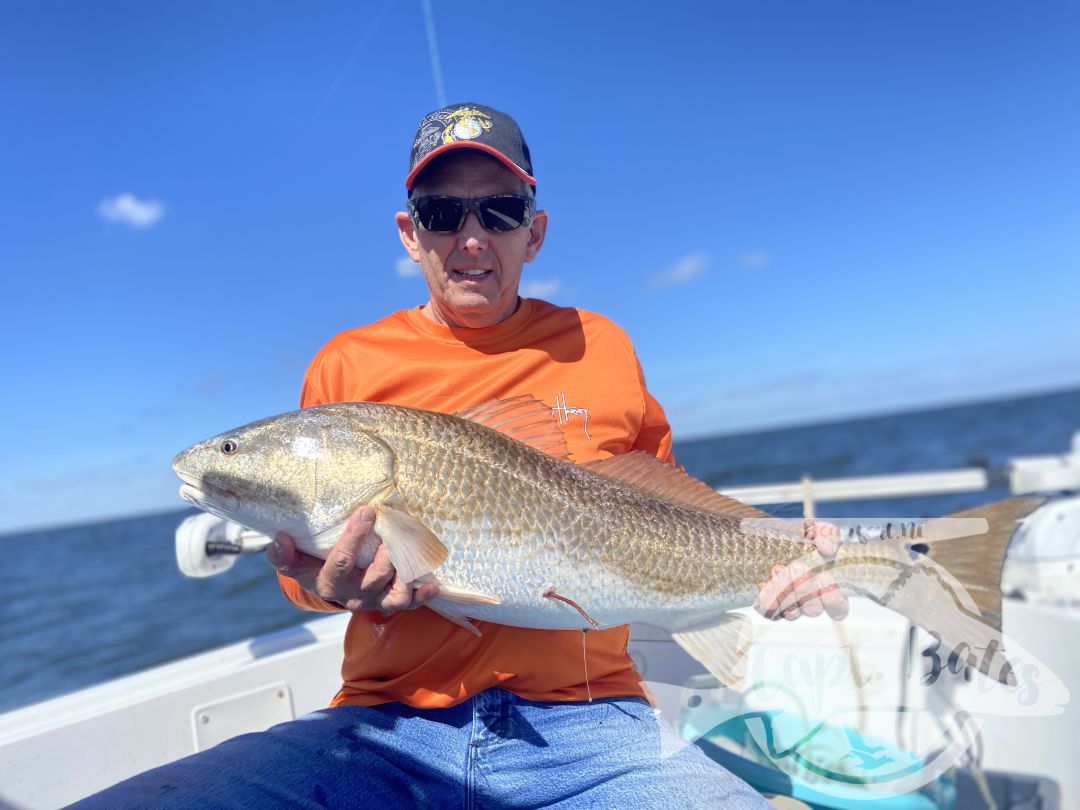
(228, 447)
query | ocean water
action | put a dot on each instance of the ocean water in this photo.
(84, 604)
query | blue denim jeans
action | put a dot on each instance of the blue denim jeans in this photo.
(495, 750)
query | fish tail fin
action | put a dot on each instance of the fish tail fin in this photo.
(951, 586)
(977, 561)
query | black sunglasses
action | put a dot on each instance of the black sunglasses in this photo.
(501, 212)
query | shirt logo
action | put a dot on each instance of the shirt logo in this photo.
(563, 412)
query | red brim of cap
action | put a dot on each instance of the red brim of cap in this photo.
(483, 147)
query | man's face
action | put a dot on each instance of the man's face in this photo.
(459, 296)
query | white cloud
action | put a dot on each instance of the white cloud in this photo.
(407, 268)
(127, 209)
(685, 270)
(753, 259)
(540, 288)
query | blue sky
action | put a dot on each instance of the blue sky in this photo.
(799, 211)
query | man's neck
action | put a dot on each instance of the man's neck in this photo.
(459, 322)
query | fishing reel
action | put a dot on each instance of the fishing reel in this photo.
(207, 545)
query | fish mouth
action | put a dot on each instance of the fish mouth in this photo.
(206, 496)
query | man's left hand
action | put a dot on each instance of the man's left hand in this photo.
(792, 591)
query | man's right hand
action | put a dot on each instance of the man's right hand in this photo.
(338, 580)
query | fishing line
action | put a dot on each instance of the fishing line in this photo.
(585, 661)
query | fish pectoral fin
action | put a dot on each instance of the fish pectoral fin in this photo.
(721, 647)
(463, 596)
(413, 548)
(454, 613)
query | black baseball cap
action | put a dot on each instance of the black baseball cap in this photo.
(470, 126)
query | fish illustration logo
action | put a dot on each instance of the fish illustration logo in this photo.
(836, 758)
(867, 756)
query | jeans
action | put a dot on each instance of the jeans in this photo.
(495, 750)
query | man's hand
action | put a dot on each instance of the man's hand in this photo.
(791, 591)
(338, 580)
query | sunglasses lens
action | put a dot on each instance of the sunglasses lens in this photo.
(446, 214)
(503, 213)
(439, 214)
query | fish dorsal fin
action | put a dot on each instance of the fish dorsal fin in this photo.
(647, 472)
(524, 418)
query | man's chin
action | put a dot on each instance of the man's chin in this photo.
(475, 310)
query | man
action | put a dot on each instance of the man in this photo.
(429, 713)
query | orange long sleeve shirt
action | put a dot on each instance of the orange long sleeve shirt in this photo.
(582, 366)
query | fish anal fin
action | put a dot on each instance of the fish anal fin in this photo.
(721, 647)
(524, 418)
(647, 472)
(413, 548)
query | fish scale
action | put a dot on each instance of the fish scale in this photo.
(620, 548)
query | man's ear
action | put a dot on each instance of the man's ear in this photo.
(407, 233)
(537, 230)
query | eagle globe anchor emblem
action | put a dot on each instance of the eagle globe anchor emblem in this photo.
(466, 125)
